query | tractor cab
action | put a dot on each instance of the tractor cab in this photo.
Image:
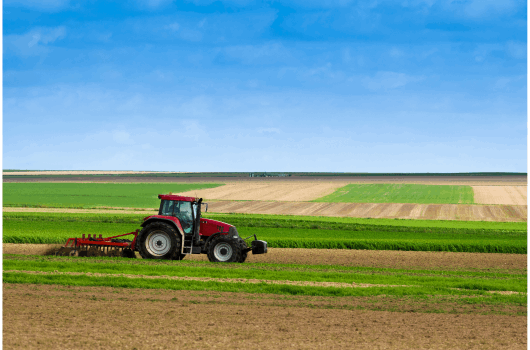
(185, 211)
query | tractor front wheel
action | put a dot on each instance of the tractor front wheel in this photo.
(224, 249)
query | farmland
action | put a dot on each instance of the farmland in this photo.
(293, 198)
(327, 281)
(89, 195)
(401, 193)
(290, 232)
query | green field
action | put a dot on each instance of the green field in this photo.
(287, 232)
(428, 287)
(91, 195)
(401, 193)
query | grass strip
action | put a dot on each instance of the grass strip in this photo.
(52, 232)
(490, 274)
(212, 271)
(81, 195)
(124, 282)
(300, 222)
(401, 193)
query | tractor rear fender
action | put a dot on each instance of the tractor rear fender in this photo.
(175, 224)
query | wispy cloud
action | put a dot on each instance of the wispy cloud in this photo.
(269, 130)
(483, 8)
(516, 49)
(267, 53)
(389, 80)
(43, 5)
(34, 41)
(152, 4)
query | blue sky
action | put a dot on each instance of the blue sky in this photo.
(343, 86)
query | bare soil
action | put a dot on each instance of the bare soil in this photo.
(56, 317)
(515, 195)
(146, 211)
(220, 280)
(430, 180)
(369, 258)
(463, 212)
(269, 191)
(84, 172)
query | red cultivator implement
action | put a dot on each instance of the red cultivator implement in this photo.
(99, 246)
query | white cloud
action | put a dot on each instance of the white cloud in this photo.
(153, 4)
(172, 26)
(482, 51)
(396, 53)
(250, 54)
(389, 80)
(269, 131)
(516, 49)
(43, 5)
(122, 137)
(33, 42)
(482, 8)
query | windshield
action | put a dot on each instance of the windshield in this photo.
(181, 210)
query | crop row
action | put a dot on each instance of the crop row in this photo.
(305, 222)
(18, 230)
(401, 193)
(88, 195)
(275, 272)
(181, 269)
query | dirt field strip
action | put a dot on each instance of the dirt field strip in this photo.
(241, 280)
(222, 280)
(463, 212)
(146, 211)
(514, 195)
(86, 172)
(51, 317)
(246, 181)
(367, 258)
(294, 191)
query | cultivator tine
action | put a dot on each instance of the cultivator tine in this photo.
(128, 253)
(92, 251)
(66, 251)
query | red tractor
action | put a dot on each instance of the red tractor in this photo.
(177, 230)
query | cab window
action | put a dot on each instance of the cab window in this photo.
(167, 208)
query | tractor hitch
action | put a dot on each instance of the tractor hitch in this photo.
(257, 246)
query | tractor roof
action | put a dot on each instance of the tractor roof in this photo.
(172, 197)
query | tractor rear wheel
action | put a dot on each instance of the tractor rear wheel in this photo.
(159, 240)
(224, 249)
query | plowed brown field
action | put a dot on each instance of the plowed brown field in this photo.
(264, 191)
(83, 172)
(515, 195)
(368, 258)
(463, 212)
(379, 210)
(428, 180)
(56, 317)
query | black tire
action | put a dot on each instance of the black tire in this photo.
(159, 240)
(244, 253)
(224, 249)
(128, 253)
